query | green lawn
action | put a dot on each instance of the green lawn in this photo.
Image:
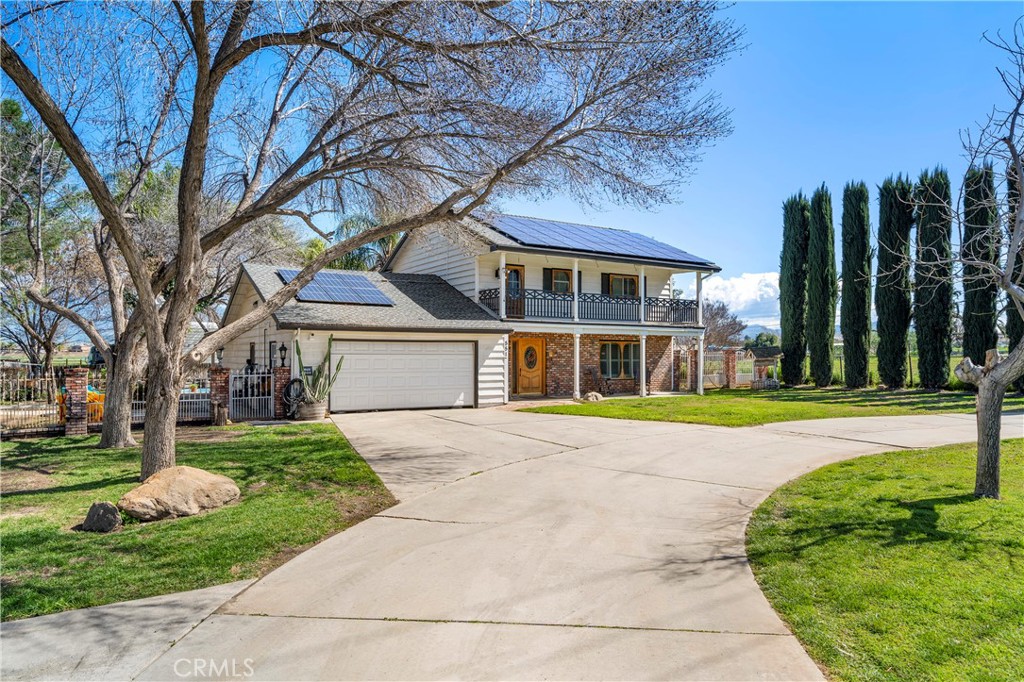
(887, 568)
(743, 407)
(300, 484)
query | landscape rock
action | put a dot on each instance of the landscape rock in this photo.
(593, 397)
(178, 491)
(103, 517)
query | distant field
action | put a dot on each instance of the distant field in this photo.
(58, 359)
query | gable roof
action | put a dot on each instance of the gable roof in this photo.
(765, 352)
(504, 232)
(421, 303)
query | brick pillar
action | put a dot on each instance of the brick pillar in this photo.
(219, 387)
(729, 362)
(76, 381)
(282, 375)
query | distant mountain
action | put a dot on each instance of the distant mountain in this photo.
(753, 330)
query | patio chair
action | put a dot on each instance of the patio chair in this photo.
(601, 385)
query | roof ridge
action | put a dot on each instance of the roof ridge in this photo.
(569, 222)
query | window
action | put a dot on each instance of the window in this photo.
(620, 359)
(561, 281)
(623, 286)
(252, 353)
(558, 280)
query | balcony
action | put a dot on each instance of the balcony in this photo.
(547, 305)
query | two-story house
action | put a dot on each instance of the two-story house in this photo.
(486, 310)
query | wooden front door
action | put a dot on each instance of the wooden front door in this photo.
(529, 366)
(515, 294)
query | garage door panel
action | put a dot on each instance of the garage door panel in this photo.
(385, 375)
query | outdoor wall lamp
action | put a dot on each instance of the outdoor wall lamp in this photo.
(219, 356)
(282, 350)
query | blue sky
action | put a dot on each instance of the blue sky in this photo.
(824, 92)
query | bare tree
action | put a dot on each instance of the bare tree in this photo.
(431, 109)
(721, 326)
(999, 139)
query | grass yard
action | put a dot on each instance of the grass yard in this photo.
(299, 483)
(743, 407)
(887, 568)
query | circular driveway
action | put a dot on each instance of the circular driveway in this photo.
(532, 546)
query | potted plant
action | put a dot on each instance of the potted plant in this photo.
(316, 386)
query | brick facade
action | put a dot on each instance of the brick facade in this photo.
(76, 380)
(559, 362)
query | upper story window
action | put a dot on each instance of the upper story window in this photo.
(561, 281)
(623, 286)
(558, 280)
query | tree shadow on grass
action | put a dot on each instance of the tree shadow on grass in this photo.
(919, 528)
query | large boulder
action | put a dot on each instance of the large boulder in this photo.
(103, 517)
(178, 491)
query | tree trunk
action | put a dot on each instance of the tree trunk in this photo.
(117, 406)
(990, 408)
(163, 387)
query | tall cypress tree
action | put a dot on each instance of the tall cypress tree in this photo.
(933, 279)
(821, 287)
(892, 291)
(793, 286)
(981, 243)
(855, 310)
(1014, 321)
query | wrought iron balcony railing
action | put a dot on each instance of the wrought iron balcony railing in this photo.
(533, 303)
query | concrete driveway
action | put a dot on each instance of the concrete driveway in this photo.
(543, 547)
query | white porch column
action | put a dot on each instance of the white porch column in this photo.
(700, 301)
(501, 286)
(700, 363)
(576, 301)
(643, 365)
(576, 366)
(642, 290)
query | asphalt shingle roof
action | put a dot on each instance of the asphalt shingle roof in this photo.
(421, 303)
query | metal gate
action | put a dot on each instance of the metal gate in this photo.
(31, 401)
(744, 369)
(714, 370)
(252, 395)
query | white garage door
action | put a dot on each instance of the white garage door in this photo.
(397, 375)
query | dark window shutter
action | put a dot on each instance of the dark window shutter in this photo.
(579, 281)
(547, 279)
(605, 284)
(645, 287)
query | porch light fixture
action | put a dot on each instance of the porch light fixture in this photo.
(219, 356)
(282, 350)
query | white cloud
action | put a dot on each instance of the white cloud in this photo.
(754, 297)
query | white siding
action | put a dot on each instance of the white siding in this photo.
(444, 251)
(237, 352)
(491, 386)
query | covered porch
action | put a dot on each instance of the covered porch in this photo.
(569, 364)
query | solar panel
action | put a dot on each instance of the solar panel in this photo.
(338, 287)
(575, 237)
